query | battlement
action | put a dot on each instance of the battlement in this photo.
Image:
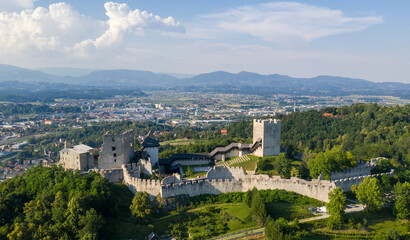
(363, 168)
(346, 183)
(266, 121)
(223, 179)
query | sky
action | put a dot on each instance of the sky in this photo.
(367, 39)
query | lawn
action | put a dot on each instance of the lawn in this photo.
(287, 210)
(376, 222)
(202, 222)
(247, 165)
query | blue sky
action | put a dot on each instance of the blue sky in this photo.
(359, 39)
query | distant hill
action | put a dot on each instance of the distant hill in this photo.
(63, 71)
(127, 79)
(224, 82)
(16, 91)
(12, 73)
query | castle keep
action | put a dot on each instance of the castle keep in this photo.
(269, 132)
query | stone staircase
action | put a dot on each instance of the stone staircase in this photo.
(233, 161)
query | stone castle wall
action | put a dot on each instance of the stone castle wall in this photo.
(222, 180)
(113, 175)
(135, 184)
(346, 183)
(363, 168)
(225, 179)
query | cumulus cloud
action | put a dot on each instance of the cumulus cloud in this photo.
(45, 29)
(123, 20)
(286, 21)
(61, 29)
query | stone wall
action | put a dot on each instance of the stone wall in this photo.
(191, 162)
(113, 175)
(224, 179)
(346, 183)
(145, 166)
(223, 172)
(214, 184)
(363, 168)
(152, 187)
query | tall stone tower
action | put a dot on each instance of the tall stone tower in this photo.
(269, 132)
(151, 145)
(117, 149)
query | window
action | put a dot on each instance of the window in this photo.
(113, 148)
(115, 160)
(113, 139)
(115, 154)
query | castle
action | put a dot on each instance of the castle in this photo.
(113, 163)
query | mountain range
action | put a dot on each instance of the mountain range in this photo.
(34, 81)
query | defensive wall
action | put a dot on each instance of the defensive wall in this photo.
(363, 168)
(346, 183)
(223, 179)
(136, 184)
(113, 175)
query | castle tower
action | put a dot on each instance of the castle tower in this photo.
(151, 145)
(117, 149)
(269, 132)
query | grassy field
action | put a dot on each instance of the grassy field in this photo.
(287, 211)
(247, 165)
(376, 222)
(178, 142)
(215, 219)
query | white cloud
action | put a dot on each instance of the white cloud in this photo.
(123, 20)
(289, 21)
(45, 29)
(16, 5)
(61, 29)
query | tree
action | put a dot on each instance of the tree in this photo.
(277, 230)
(337, 202)
(283, 165)
(369, 193)
(331, 160)
(294, 172)
(258, 208)
(248, 198)
(335, 208)
(92, 223)
(141, 206)
(188, 171)
(402, 195)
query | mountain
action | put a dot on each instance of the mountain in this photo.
(42, 91)
(223, 82)
(63, 71)
(12, 73)
(246, 82)
(126, 79)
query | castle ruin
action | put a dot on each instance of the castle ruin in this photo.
(117, 150)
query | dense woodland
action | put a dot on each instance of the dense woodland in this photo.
(50, 203)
